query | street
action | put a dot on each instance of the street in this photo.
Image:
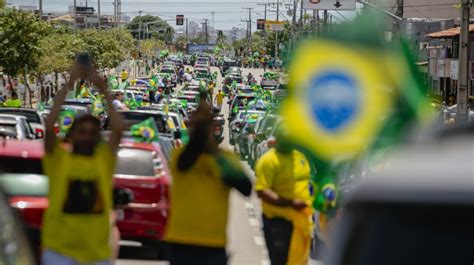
(246, 244)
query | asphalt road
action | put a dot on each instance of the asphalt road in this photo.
(246, 243)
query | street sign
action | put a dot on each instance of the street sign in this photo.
(330, 4)
(179, 20)
(275, 25)
(260, 24)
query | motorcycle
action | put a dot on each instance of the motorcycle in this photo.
(219, 122)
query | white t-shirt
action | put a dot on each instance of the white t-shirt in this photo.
(118, 105)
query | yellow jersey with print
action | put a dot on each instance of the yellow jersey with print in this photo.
(199, 202)
(288, 175)
(76, 223)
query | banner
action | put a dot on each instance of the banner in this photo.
(275, 25)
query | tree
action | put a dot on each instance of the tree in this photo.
(19, 47)
(21, 34)
(2, 3)
(108, 48)
(149, 47)
(200, 38)
(160, 29)
(181, 43)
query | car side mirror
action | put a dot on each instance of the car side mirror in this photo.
(122, 196)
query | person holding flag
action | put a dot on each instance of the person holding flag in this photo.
(77, 224)
(283, 184)
(203, 176)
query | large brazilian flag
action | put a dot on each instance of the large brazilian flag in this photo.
(358, 94)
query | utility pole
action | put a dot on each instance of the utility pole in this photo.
(140, 26)
(187, 36)
(75, 15)
(205, 28)
(247, 35)
(301, 15)
(399, 13)
(265, 19)
(249, 21)
(325, 21)
(40, 9)
(276, 32)
(98, 13)
(463, 82)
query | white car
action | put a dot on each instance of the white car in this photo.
(35, 120)
(15, 127)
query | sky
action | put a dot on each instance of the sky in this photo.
(227, 14)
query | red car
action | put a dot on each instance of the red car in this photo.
(142, 168)
(22, 182)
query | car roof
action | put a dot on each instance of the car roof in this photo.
(23, 149)
(435, 173)
(19, 110)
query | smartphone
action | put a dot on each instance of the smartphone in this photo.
(84, 59)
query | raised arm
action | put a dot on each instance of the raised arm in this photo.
(50, 135)
(116, 123)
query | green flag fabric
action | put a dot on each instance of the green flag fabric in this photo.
(145, 131)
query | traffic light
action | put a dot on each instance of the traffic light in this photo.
(261, 24)
(179, 20)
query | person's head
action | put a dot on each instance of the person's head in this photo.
(84, 134)
(119, 96)
(14, 96)
(220, 91)
(282, 138)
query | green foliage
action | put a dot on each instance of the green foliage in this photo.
(20, 42)
(108, 48)
(180, 43)
(159, 30)
(149, 46)
(200, 38)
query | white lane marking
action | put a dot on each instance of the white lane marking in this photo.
(126, 243)
(259, 241)
(254, 222)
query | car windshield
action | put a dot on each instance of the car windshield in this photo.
(137, 117)
(8, 131)
(20, 165)
(266, 124)
(30, 116)
(136, 162)
(24, 185)
(167, 70)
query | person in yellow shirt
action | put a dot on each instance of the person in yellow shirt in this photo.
(219, 99)
(77, 224)
(283, 184)
(124, 75)
(203, 176)
(13, 102)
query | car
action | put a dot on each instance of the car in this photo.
(201, 73)
(263, 128)
(422, 201)
(268, 142)
(228, 80)
(172, 72)
(203, 61)
(226, 64)
(28, 195)
(202, 66)
(237, 123)
(187, 59)
(85, 102)
(234, 70)
(35, 120)
(179, 62)
(239, 102)
(16, 127)
(132, 117)
(142, 168)
(15, 246)
(244, 137)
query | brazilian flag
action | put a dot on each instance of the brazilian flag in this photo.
(145, 131)
(66, 119)
(357, 94)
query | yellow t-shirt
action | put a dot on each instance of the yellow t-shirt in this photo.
(124, 75)
(76, 223)
(220, 98)
(288, 175)
(199, 203)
